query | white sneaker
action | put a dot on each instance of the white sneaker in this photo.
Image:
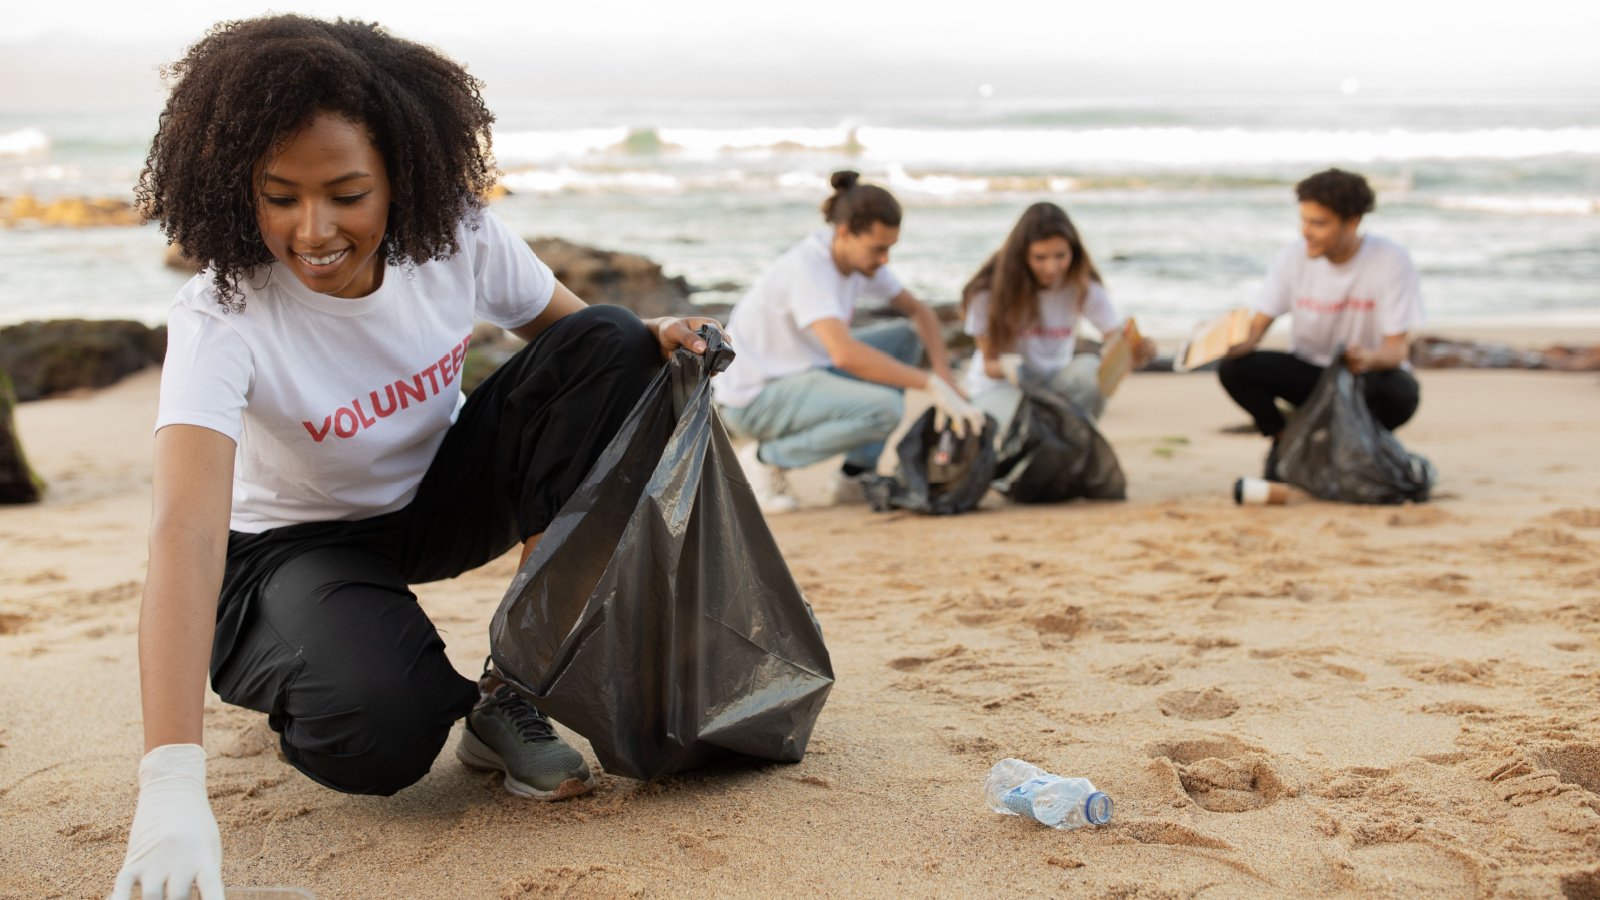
(847, 489)
(766, 481)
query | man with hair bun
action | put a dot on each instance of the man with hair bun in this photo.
(1344, 288)
(806, 386)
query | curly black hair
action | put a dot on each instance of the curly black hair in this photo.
(1346, 194)
(247, 86)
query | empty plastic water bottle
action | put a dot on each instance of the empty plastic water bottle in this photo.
(1016, 788)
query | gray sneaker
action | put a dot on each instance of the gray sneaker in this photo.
(507, 733)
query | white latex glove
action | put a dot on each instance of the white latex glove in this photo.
(174, 842)
(1011, 366)
(951, 410)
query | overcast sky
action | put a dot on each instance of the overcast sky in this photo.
(694, 46)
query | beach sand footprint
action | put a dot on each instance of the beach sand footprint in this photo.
(1577, 763)
(1223, 774)
(912, 663)
(1148, 672)
(1455, 671)
(1579, 517)
(1202, 705)
(592, 880)
(1584, 885)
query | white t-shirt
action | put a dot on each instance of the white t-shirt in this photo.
(770, 325)
(1358, 303)
(338, 406)
(1046, 345)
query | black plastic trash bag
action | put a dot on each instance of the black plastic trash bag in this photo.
(1334, 449)
(1052, 452)
(927, 482)
(656, 617)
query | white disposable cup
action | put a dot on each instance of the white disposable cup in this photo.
(1260, 492)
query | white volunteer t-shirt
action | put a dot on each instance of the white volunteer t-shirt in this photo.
(1358, 303)
(338, 406)
(769, 326)
(1046, 345)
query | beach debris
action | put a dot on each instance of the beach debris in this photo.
(1016, 788)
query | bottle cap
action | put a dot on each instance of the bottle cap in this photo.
(1097, 808)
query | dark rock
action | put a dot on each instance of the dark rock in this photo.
(45, 358)
(622, 279)
(18, 483)
(1443, 353)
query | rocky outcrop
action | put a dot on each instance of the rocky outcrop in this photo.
(45, 358)
(621, 279)
(66, 212)
(18, 483)
(1443, 353)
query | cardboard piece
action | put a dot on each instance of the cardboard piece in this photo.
(1116, 356)
(1210, 340)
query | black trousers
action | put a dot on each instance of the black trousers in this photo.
(1256, 380)
(316, 624)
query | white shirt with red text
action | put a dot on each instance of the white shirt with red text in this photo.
(338, 406)
(1046, 345)
(1357, 303)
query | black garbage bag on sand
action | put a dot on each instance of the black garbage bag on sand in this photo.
(939, 473)
(656, 617)
(1052, 452)
(1334, 449)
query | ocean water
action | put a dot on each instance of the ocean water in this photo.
(1182, 201)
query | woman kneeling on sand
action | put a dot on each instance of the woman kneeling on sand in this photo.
(314, 454)
(1023, 309)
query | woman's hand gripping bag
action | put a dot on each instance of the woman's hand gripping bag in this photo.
(1334, 449)
(1053, 452)
(656, 617)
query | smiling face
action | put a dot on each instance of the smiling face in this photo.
(1048, 261)
(322, 204)
(1326, 234)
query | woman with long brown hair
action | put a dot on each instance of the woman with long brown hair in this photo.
(1023, 308)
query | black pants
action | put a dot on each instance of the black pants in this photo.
(316, 625)
(1255, 380)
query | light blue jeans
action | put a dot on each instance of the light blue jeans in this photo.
(806, 418)
(1079, 380)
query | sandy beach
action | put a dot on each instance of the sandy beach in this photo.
(1290, 701)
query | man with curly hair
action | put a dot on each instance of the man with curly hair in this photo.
(314, 454)
(1344, 288)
